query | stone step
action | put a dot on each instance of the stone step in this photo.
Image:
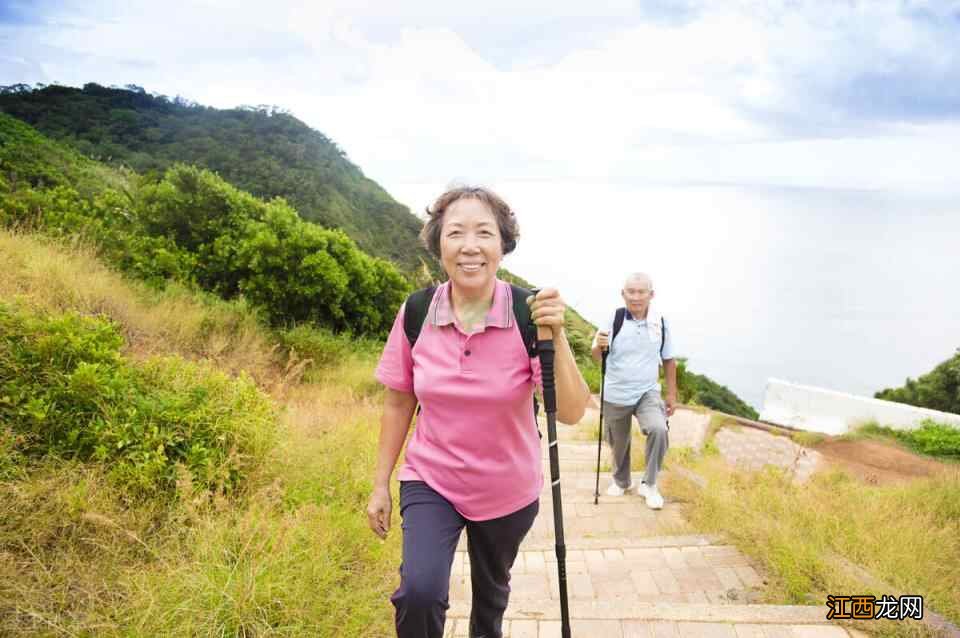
(609, 524)
(681, 540)
(545, 542)
(621, 609)
(589, 628)
(626, 517)
(580, 486)
(668, 569)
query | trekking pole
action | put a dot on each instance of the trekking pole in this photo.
(603, 374)
(546, 353)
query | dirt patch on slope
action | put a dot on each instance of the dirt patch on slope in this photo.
(877, 462)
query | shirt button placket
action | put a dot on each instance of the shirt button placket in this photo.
(465, 357)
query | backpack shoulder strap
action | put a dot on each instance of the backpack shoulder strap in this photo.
(617, 323)
(521, 313)
(663, 335)
(415, 312)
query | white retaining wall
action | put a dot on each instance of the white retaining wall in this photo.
(819, 410)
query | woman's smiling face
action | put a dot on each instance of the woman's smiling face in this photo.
(470, 244)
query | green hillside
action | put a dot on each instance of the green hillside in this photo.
(191, 226)
(262, 150)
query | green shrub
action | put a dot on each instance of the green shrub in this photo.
(931, 438)
(935, 439)
(324, 347)
(193, 227)
(296, 271)
(105, 220)
(65, 389)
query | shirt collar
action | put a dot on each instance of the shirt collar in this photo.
(499, 315)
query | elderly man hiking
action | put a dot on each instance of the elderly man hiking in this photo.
(638, 339)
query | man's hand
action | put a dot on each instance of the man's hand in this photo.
(602, 339)
(671, 402)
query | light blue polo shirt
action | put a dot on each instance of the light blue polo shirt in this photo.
(633, 364)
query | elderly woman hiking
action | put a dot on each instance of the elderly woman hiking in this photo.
(474, 458)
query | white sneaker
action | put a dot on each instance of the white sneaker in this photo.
(651, 495)
(616, 490)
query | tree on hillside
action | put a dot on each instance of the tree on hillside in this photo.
(939, 389)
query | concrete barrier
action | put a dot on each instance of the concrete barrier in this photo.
(829, 412)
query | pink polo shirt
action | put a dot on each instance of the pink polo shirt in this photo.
(475, 441)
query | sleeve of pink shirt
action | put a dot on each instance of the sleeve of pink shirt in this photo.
(395, 369)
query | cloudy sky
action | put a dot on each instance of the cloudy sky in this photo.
(678, 92)
(595, 119)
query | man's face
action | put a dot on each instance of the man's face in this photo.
(637, 294)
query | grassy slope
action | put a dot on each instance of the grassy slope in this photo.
(810, 536)
(292, 556)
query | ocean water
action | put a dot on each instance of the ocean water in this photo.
(849, 290)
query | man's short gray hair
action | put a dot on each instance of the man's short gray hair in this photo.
(639, 276)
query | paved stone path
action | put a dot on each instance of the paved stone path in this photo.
(633, 572)
(752, 449)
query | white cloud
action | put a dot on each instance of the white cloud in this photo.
(750, 92)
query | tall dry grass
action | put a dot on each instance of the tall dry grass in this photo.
(823, 536)
(54, 275)
(298, 558)
(290, 556)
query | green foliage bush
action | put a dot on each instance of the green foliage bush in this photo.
(931, 438)
(324, 347)
(65, 390)
(294, 270)
(939, 389)
(108, 221)
(193, 227)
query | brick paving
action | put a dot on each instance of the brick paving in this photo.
(637, 573)
(753, 449)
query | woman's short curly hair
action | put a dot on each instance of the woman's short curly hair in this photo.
(506, 220)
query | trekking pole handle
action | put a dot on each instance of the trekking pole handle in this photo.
(545, 350)
(544, 333)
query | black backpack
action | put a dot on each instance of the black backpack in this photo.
(418, 304)
(618, 324)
